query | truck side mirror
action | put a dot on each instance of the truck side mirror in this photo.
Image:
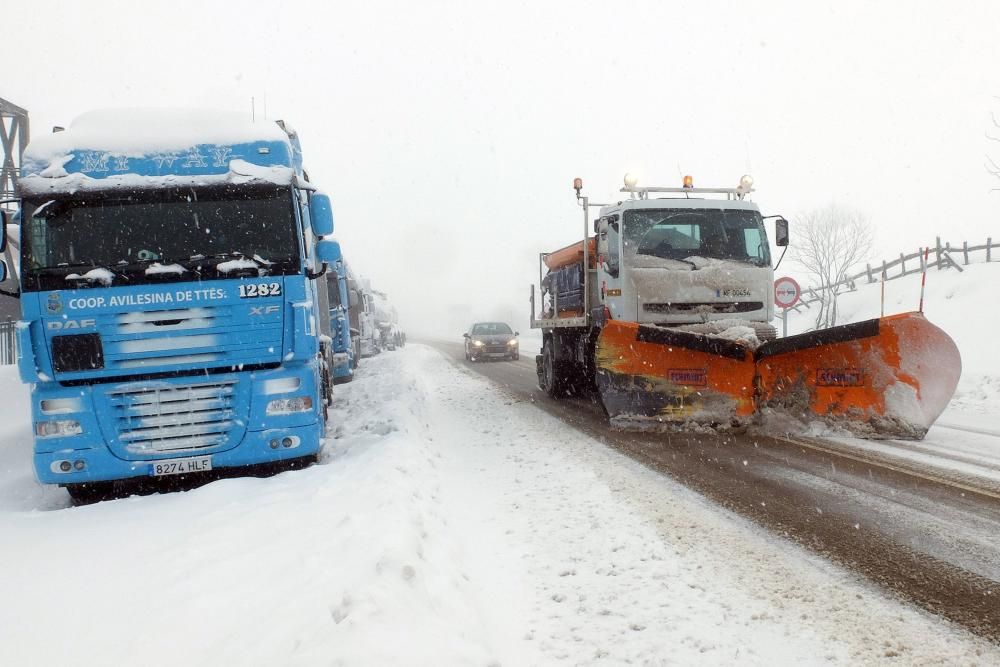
(352, 298)
(780, 232)
(3, 232)
(465, 335)
(321, 214)
(328, 252)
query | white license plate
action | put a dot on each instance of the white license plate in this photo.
(180, 466)
(497, 354)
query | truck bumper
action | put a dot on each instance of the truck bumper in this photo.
(98, 463)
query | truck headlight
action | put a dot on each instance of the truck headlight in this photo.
(281, 406)
(477, 343)
(512, 342)
(58, 428)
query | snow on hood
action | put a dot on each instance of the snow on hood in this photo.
(97, 275)
(142, 131)
(55, 179)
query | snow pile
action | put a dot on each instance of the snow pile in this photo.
(448, 525)
(95, 275)
(958, 303)
(157, 268)
(237, 264)
(729, 329)
(144, 131)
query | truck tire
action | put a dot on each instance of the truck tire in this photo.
(89, 493)
(552, 379)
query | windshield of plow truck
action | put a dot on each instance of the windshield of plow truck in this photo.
(680, 234)
(146, 236)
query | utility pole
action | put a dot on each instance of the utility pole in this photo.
(14, 139)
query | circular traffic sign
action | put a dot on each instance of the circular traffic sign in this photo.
(786, 292)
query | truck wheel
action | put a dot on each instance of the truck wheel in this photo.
(90, 492)
(552, 379)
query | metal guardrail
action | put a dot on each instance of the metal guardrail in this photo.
(8, 343)
(944, 257)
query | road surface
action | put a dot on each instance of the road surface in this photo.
(926, 537)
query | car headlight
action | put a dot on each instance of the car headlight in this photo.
(57, 428)
(512, 342)
(477, 343)
(289, 405)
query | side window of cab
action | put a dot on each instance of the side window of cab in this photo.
(609, 245)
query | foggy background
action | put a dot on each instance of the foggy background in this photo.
(448, 134)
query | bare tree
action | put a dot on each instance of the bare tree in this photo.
(830, 241)
(993, 135)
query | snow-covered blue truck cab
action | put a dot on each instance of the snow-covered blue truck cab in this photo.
(169, 295)
(344, 358)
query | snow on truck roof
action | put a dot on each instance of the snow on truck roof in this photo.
(129, 148)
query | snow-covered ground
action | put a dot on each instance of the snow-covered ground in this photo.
(966, 438)
(448, 524)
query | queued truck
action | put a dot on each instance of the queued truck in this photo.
(344, 341)
(390, 336)
(362, 305)
(170, 297)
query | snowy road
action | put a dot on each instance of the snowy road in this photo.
(872, 507)
(450, 523)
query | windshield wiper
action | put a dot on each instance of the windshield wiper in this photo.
(671, 259)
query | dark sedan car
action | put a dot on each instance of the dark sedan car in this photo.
(490, 340)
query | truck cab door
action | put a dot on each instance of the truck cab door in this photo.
(609, 255)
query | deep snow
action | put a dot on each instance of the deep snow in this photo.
(447, 524)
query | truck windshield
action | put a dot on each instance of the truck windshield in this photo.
(491, 329)
(680, 234)
(185, 231)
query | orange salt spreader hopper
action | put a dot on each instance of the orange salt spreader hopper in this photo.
(571, 254)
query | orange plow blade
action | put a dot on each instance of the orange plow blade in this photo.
(884, 378)
(648, 375)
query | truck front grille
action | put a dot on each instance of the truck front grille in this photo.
(704, 307)
(175, 417)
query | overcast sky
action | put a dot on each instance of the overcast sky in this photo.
(448, 133)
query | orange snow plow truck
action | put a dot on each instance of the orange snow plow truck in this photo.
(665, 307)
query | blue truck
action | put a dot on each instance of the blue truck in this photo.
(344, 340)
(171, 297)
